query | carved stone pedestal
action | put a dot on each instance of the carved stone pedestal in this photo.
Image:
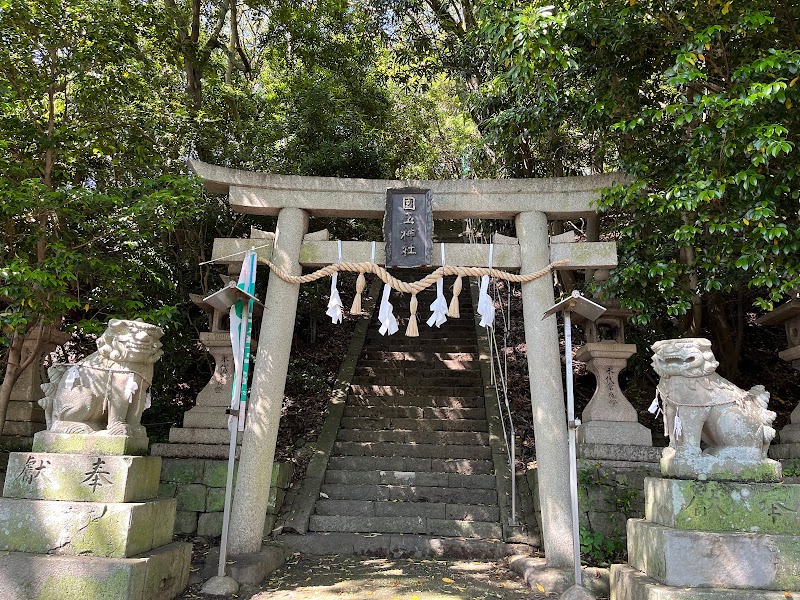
(86, 523)
(609, 418)
(712, 540)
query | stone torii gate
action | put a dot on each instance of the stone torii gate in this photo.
(530, 202)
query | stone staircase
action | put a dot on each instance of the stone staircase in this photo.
(412, 453)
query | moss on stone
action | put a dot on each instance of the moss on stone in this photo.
(116, 585)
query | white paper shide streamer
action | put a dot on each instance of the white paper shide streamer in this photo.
(439, 306)
(485, 302)
(130, 387)
(335, 309)
(385, 314)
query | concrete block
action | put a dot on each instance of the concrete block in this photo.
(210, 524)
(215, 473)
(167, 490)
(703, 559)
(281, 475)
(160, 574)
(79, 477)
(180, 435)
(211, 451)
(191, 496)
(614, 432)
(781, 451)
(619, 452)
(248, 568)
(20, 410)
(536, 573)
(22, 428)
(95, 445)
(465, 529)
(185, 522)
(215, 499)
(629, 584)
(723, 506)
(85, 528)
(181, 470)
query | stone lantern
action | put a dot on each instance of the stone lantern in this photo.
(788, 315)
(609, 418)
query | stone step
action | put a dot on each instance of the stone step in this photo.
(180, 435)
(416, 356)
(422, 525)
(629, 584)
(411, 390)
(404, 365)
(415, 437)
(448, 344)
(214, 418)
(400, 546)
(432, 510)
(390, 493)
(424, 401)
(415, 412)
(436, 465)
(412, 374)
(449, 451)
(425, 478)
(414, 424)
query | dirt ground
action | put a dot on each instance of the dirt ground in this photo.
(363, 578)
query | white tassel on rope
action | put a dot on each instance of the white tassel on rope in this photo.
(385, 314)
(485, 302)
(413, 330)
(455, 310)
(335, 309)
(678, 428)
(439, 306)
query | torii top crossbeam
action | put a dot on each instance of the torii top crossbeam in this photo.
(265, 194)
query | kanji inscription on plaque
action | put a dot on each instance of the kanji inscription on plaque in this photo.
(408, 227)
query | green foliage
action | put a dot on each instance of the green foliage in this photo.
(600, 550)
(695, 101)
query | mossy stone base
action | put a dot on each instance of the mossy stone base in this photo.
(700, 559)
(160, 574)
(723, 506)
(91, 444)
(728, 465)
(79, 477)
(629, 584)
(85, 528)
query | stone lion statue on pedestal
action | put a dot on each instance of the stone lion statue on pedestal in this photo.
(716, 429)
(106, 392)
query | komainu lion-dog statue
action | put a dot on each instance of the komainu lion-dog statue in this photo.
(106, 392)
(716, 429)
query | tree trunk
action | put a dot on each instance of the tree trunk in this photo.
(14, 368)
(724, 337)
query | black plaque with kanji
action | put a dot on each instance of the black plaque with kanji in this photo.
(408, 227)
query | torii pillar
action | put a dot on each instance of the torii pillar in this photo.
(531, 202)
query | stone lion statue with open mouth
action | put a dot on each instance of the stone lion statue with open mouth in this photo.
(716, 429)
(106, 392)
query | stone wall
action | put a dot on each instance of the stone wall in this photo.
(609, 493)
(198, 485)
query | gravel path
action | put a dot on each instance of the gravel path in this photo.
(363, 578)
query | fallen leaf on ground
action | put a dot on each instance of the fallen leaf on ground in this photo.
(447, 580)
